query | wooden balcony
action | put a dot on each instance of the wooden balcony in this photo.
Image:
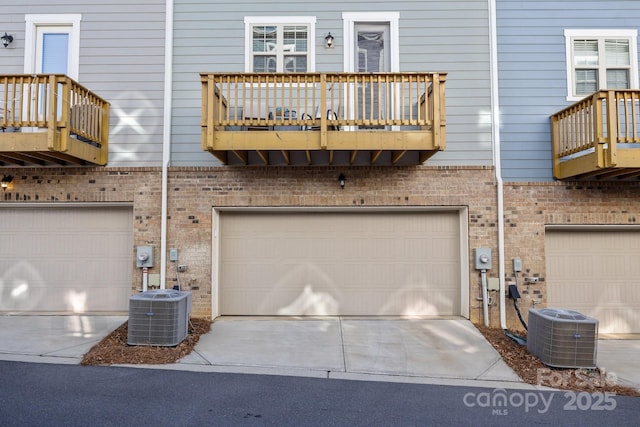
(51, 120)
(323, 118)
(598, 138)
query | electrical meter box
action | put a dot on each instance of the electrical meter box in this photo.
(482, 258)
(144, 256)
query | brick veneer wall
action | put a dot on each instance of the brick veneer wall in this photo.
(529, 207)
(192, 192)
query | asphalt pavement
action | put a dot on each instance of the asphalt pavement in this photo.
(36, 394)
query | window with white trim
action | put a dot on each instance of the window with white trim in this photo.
(600, 59)
(280, 44)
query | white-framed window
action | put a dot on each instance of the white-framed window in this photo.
(279, 44)
(600, 59)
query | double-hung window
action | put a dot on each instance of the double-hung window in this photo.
(600, 59)
(280, 44)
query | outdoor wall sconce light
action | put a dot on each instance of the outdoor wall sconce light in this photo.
(6, 39)
(342, 179)
(329, 40)
(6, 180)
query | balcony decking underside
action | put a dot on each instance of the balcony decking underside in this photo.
(32, 148)
(362, 146)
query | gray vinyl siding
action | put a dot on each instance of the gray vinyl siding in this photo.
(533, 75)
(121, 60)
(449, 36)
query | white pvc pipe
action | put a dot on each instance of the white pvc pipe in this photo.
(495, 136)
(485, 298)
(166, 136)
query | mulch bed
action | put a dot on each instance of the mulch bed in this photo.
(113, 349)
(528, 367)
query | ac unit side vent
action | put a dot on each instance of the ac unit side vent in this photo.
(159, 317)
(563, 338)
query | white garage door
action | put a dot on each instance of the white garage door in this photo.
(596, 273)
(70, 259)
(340, 263)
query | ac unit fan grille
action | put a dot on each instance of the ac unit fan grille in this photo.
(562, 338)
(159, 318)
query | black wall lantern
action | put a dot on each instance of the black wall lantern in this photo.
(6, 39)
(329, 40)
(342, 179)
(6, 180)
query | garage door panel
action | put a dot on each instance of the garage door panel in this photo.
(339, 263)
(69, 259)
(596, 273)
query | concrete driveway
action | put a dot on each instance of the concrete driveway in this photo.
(436, 351)
(620, 358)
(443, 351)
(53, 339)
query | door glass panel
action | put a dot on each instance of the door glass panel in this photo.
(370, 51)
(372, 42)
(55, 53)
(52, 54)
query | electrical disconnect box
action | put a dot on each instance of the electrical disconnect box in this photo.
(482, 258)
(517, 265)
(173, 254)
(144, 256)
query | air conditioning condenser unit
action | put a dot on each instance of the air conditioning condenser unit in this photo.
(562, 338)
(159, 317)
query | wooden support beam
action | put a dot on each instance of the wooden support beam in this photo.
(221, 155)
(622, 173)
(264, 155)
(375, 155)
(58, 158)
(286, 156)
(13, 160)
(426, 155)
(242, 155)
(396, 156)
(20, 159)
(353, 156)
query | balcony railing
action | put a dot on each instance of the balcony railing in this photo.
(598, 137)
(51, 120)
(309, 118)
